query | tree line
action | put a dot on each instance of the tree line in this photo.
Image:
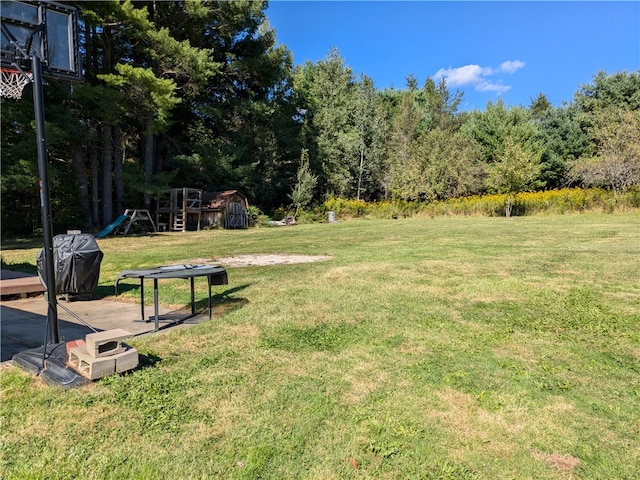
(199, 94)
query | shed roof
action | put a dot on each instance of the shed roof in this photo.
(219, 200)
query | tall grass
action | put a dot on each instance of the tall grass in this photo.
(444, 348)
(565, 201)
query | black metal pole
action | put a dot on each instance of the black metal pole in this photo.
(45, 204)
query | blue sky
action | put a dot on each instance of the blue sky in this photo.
(488, 50)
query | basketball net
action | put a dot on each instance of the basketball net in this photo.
(12, 82)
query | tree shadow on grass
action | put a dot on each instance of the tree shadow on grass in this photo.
(23, 243)
(103, 291)
(221, 303)
(24, 267)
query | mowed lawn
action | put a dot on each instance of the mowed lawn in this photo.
(445, 348)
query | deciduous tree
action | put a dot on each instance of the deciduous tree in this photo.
(517, 169)
(616, 164)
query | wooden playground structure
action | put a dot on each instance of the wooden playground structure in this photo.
(179, 209)
(182, 209)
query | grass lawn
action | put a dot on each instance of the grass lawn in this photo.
(445, 348)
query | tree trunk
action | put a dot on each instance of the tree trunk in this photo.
(80, 169)
(360, 170)
(149, 152)
(118, 166)
(160, 152)
(508, 206)
(107, 175)
(95, 181)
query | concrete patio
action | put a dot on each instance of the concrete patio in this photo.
(23, 321)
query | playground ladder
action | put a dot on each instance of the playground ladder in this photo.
(179, 222)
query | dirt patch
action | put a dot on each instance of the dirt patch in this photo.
(562, 463)
(261, 260)
(269, 259)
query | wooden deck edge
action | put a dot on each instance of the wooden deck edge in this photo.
(19, 286)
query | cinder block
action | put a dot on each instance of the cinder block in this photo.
(91, 367)
(126, 360)
(109, 342)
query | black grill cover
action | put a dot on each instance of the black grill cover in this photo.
(76, 262)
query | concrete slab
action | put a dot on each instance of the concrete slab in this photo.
(23, 321)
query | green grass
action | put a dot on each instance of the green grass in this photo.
(445, 348)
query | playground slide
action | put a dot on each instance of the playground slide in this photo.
(112, 226)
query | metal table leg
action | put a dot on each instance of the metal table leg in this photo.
(193, 298)
(155, 304)
(142, 299)
(209, 297)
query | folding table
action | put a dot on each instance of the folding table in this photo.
(216, 275)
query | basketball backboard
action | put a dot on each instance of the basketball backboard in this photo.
(42, 28)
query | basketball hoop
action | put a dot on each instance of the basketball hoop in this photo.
(12, 82)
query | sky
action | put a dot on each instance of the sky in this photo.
(487, 50)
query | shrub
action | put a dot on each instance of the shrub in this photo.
(256, 217)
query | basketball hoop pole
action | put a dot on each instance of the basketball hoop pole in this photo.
(44, 32)
(45, 204)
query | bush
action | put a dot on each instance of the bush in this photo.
(256, 217)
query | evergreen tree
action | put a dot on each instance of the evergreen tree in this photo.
(620, 90)
(499, 128)
(434, 159)
(305, 185)
(240, 124)
(441, 105)
(328, 95)
(406, 176)
(562, 139)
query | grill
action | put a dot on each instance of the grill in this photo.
(76, 260)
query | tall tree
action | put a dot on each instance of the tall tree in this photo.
(517, 169)
(329, 97)
(100, 109)
(240, 124)
(620, 90)
(161, 72)
(562, 139)
(302, 192)
(365, 124)
(493, 126)
(505, 135)
(441, 104)
(404, 168)
(335, 119)
(607, 110)
(442, 162)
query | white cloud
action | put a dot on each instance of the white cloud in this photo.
(455, 77)
(511, 66)
(476, 76)
(492, 87)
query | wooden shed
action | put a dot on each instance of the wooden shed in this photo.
(228, 209)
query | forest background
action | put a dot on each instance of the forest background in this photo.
(198, 94)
